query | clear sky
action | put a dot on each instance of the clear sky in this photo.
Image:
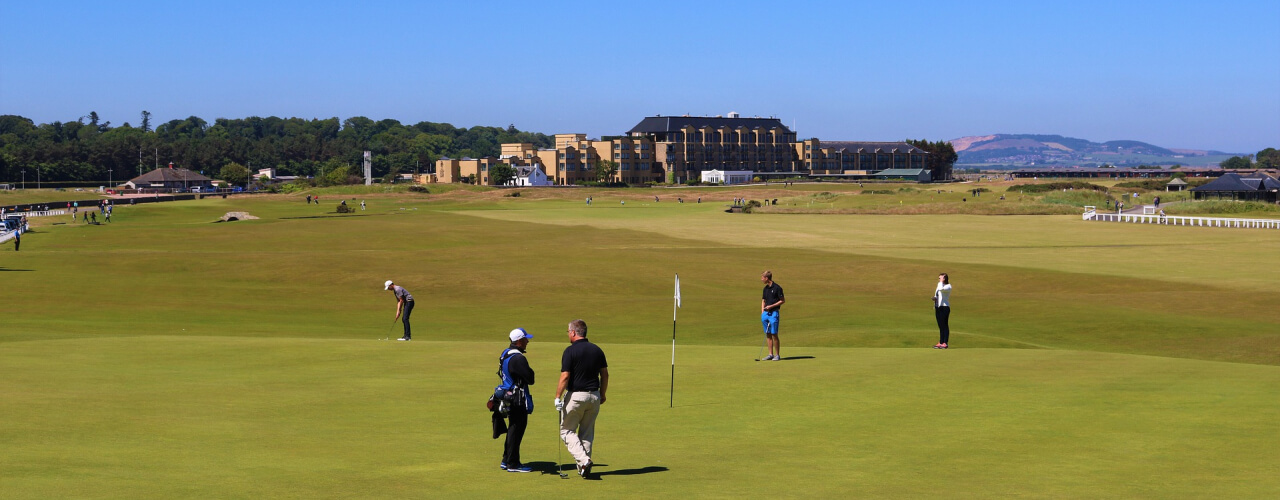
(1180, 74)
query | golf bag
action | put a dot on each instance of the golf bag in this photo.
(508, 395)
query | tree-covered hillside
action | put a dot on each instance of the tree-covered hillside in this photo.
(89, 150)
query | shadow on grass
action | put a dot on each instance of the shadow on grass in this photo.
(789, 358)
(628, 472)
(571, 470)
(5, 269)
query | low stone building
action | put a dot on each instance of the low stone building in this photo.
(170, 179)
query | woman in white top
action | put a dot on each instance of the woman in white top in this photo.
(942, 309)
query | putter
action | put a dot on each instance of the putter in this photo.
(762, 343)
(558, 427)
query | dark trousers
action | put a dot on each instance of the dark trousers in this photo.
(404, 316)
(17, 242)
(515, 433)
(943, 314)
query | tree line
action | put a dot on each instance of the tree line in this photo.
(1267, 158)
(942, 156)
(88, 149)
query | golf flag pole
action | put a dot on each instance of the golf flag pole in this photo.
(674, 307)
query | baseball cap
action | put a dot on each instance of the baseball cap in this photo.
(518, 334)
(387, 285)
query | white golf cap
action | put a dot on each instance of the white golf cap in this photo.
(387, 285)
(518, 334)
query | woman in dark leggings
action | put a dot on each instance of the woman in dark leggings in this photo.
(942, 309)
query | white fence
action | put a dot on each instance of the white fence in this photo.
(1091, 213)
(40, 213)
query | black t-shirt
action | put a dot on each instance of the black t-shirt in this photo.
(583, 360)
(772, 294)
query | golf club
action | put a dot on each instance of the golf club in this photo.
(762, 343)
(558, 427)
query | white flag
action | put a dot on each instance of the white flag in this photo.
(677, 290)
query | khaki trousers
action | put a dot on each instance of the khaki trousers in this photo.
(578, 429)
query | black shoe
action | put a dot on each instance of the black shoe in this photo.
(585, 471)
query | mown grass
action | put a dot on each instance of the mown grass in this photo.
(165, 355)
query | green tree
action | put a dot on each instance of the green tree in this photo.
(1236, 162)
(234, 173)
(1269, 158)
(335, 177)
(502, 174)
(605, 170)
(942, 156)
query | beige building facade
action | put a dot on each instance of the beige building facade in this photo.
(677, 149)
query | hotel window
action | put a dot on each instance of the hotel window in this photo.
(561, 156)
(626, 166)
(617, 156)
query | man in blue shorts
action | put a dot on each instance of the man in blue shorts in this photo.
(770, 309)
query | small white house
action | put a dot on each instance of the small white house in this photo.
(726, 176)
(531, 176)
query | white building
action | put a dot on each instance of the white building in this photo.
(531, 176)
(726, 176)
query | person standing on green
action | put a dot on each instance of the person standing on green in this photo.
(404, 306)
(771, 315)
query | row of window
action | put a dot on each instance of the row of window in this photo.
(732, 137)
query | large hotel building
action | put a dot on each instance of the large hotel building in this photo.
(679, 148)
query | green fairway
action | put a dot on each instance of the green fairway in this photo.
(167, 356)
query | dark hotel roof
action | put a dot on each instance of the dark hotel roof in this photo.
(871, 147)
(663, 124)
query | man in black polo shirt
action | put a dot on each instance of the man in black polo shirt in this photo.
(770, 314)
(585, 374)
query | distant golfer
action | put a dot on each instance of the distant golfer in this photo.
(770, 314)
(584, 372)
(404, 306)
(942, 309)
(17, 239)
(516, 373)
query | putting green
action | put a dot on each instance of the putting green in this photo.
(169, 416)
(167, 356)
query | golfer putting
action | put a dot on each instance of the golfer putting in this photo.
(771, 314)
(404, 306)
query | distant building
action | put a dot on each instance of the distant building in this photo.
(170, 179)
(905, 174)
(851, 158)
(531, 176)
(678, 149)
(686, 146)
(1234, 187)
(726, 177)
(465, 170)
(269, 174)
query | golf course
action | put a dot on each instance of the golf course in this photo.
(167, 355)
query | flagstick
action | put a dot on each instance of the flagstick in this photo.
(674, 305)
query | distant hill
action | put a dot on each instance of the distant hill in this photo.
(1021, 150)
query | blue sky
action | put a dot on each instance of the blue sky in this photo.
(1199, 75)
